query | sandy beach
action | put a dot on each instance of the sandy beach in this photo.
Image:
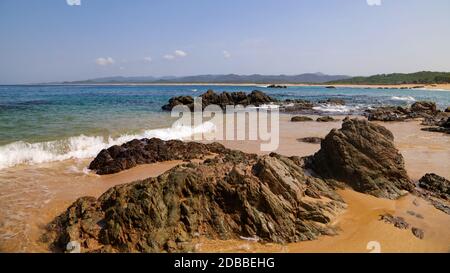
(33, 195)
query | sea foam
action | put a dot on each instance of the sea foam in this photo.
(79, 147)
(329, 108)
(403, 98)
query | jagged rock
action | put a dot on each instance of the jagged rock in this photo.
(388, 113)
(255, 98)
(230, 196)
(145, 151)
(181, 100)
(326, 119)
(301, 119)
(331, 87)
(442, 126)
(363, 155)
(276, 86)
(398, 222)
(418, 232)
(333, 101)
(424, 107)
(313, 140)
(436, 184)
(298, 105)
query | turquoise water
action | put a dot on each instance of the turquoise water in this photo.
(35, 120)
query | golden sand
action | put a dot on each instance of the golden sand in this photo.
(31, 196)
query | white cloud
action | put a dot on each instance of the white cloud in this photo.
(226, 54)
(180, 53)
(73, 2)
(105, 61)
(169, 57)
(148, 59)
(374, 2)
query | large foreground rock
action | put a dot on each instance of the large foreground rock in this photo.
(231, 196)
(146, 151)
(363, 155)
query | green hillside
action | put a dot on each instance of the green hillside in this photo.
(424, 77)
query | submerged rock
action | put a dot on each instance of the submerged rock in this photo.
(231, 196)
(301, 119)
(363, 155)
(333, 101)
(145, 151)
(276, 86)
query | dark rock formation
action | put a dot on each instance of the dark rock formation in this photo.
(388, 113)
(181, 100)
(398, 222)
(363, 155)
(301, 119)
(333, 101)
(418, 232)
(276, 86)
(145, 151)
(447, 110)
(312, 140)
(331, 87)
(255, 98)
(326, 119)
(440, 126)
(421, 109)
(296, 106)
(424, 107)
(232, 195)
(436, 184)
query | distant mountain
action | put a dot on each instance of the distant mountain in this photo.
(423, 77)
(228, 78)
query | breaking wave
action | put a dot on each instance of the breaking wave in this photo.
(328, 108)
(82, 146)
(403, 98)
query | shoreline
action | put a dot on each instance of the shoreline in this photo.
(423, 87)
(58, 184)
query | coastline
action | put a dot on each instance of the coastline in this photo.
(48, 197)
(423, 87)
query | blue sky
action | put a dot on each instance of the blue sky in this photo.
(49, 40)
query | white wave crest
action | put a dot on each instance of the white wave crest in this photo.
(403, 98)
(82, 146)
(335, 108)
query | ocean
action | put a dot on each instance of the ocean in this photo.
(57, 122)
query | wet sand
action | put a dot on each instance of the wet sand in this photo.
(31, 196)
(361, 230)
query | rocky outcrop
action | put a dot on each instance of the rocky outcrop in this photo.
(301, 119)
(145, 151)
(363, 155)
(180, 100)
(296, 106)
(230, 196)
(326, 119)
(312, 140)
(440, 126)
(447, 110)
(421, 109)
(255, 98)
(276, 86)
(437, 185)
